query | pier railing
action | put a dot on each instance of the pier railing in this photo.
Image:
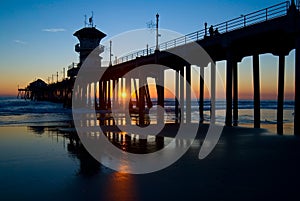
(72, 65)
(256, 17)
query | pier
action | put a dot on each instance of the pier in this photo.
(275, 30)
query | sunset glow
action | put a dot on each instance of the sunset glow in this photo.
(123, 95)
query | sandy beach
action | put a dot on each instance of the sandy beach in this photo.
(38, 163)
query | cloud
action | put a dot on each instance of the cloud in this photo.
(54, 30)
(20, 42)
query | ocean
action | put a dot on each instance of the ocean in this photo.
(19, 112)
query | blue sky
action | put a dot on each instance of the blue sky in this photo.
(36, 36)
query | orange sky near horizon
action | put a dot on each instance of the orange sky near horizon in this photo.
(268, 79)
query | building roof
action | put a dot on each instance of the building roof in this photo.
(89, 32)
(37, 84)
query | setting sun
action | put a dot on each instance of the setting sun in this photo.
(123, 95)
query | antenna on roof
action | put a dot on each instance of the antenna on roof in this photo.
(85, 23)
(91, 23)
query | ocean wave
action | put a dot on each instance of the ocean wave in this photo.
(242, 104)
(18, 111)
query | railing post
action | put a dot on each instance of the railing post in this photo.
(197, 35)
(244, 21)
(266, 14)
(226, 26)
(147, 49)
(184, 39)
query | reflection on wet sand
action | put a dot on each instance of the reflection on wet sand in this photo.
(245, 162)
(125, 187)
(127, 142)
(88, 165)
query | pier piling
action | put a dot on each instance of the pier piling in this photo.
(256, 87)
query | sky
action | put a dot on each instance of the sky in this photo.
(37, 36)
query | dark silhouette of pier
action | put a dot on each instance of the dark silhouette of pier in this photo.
(275, 30)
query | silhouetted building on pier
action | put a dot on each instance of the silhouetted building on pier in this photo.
(89, 39)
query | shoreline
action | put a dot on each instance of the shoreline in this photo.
(53, 111)
(68, 126)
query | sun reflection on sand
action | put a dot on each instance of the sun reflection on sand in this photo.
(121, 186)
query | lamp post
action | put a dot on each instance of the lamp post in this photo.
(110, 54)
(157, 16)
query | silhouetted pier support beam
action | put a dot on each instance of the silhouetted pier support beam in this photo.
(101, 95)
(95, 95)
(297, 90)
(213, 93)
(235, 94)
(230, 63)
(181, 94)
(89, 95)
(116, 92)
(128, 95)
(280, 98)
(188, 94)
(201, 98)
(176, 95)
(256, 87)
(105, 95)
(160, 96)
(84, 95)
(141, 104)
(109, 95)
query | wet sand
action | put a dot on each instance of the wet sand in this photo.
(246, 164)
